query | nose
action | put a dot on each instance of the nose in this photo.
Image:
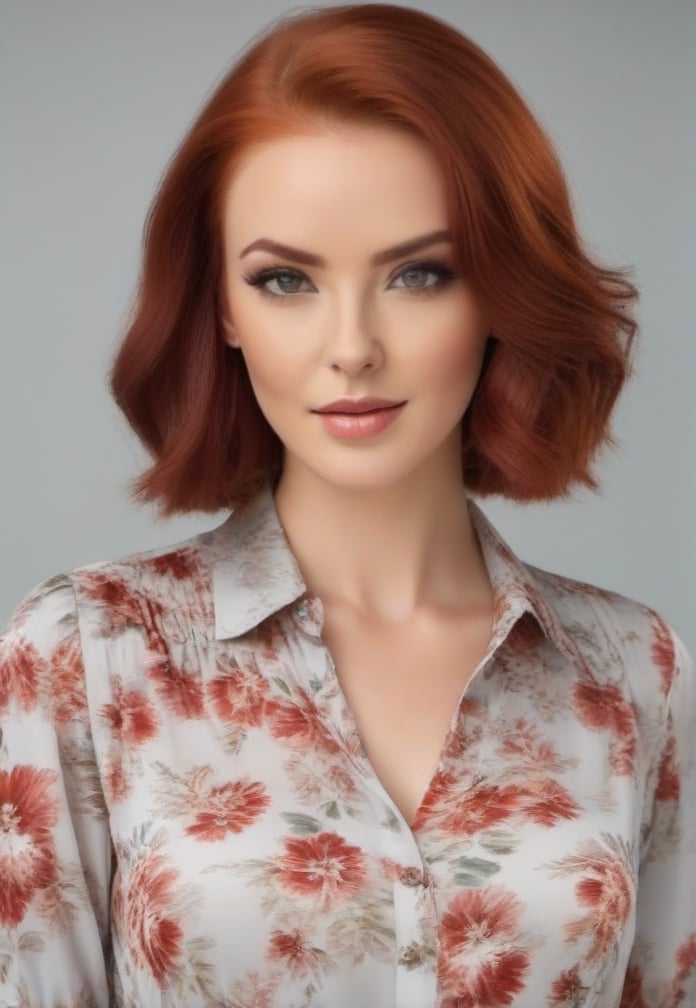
(353, 345)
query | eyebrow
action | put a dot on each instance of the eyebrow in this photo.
(378, 259)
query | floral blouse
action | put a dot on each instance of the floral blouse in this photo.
(188, 817)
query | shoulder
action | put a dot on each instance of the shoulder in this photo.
(175, 560)
(41, 620)
(580, 604)
(618, 638)
(40, 654)
(124, 591)
(139, 587)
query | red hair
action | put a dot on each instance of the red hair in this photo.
(562, 332)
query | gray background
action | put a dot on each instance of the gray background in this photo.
(94, 98)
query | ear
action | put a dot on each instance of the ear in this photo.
(230, 332)
(226, 320)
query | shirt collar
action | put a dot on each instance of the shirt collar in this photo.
(254, 571)
(516, 589)
(255, 574)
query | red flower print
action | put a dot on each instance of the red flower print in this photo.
(118, 601)
(604, 708)
(632, 993)
(472, 728)
(468, 803)
(120, 607)
(296, 956)
(320, 780)
(597, 705)
(406, 874)
(181, 691)
(607, 889)
(131, 716)
(116, 786)
(269, 640)
(143, 907)
(543, 800)
(252, 991)
(300, 725)
(662, 651)
(391, 870)
(20, 668)
(338, 780)
(27, 860)
(668, 782)
(483, 806)
(239, 696)
(230, 808)
(548, 803)
(465, 807)
(322, 866)
(567, 990)
(67, 682)
(481, 962)
(180, 564)
(686, 965)
(686, 955)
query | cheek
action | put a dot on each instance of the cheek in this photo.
(272, 355)
(454, 354)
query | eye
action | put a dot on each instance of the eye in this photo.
(288, 281)
(415, 276)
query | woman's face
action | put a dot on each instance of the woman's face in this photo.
(342, 312)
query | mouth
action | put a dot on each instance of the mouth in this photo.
(358, 407)
(359, 413)
(359, 425)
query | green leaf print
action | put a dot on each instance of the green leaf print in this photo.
(499, 842)
(282, 685)
(391, 822)
(5, 963)
(31, 941)
(473, 872)
(332, 810)
(302, 824)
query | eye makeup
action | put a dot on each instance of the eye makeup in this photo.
(286, 277)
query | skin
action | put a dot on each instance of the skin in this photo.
(379, 525)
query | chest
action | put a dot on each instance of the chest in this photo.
(248, 815)
(403, 688)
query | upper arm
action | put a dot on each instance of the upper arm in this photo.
(55, 849)
(662, 969)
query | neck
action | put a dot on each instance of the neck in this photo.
(389, 553)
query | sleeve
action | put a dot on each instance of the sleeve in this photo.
(662, 966)
(55, 847)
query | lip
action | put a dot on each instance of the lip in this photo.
(364, 405)
(352, 426)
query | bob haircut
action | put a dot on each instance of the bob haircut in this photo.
(559, 348)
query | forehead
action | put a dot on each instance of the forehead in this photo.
(334, 181)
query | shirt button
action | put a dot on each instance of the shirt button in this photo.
(412, 877)
(302, 610)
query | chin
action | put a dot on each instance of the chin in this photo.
(362, 474)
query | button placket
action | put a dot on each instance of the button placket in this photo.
(416, 971)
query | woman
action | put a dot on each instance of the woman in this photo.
(347, 748)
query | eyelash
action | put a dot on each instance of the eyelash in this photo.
(263, 276)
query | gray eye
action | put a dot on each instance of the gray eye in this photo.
(425, 277)
(417, 273)
(288, 282)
